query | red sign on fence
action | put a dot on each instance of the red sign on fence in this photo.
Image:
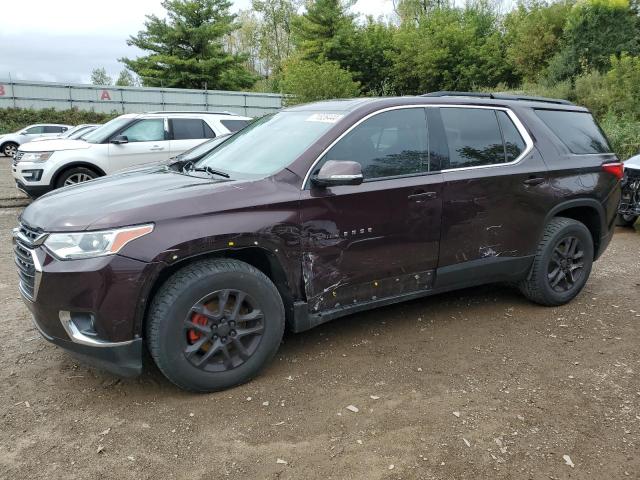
(105, 95)
(2, 91)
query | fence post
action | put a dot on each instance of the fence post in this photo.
(70, 98)
(245, 105)
(122, 99)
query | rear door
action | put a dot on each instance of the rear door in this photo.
(378, 239)
(147, 142)
(186, 133)
(493, 192)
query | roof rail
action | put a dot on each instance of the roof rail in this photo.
(222, 112)
(498, 96)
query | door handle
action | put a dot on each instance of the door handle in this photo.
(156, 148)
(422, 196)
(532, 181)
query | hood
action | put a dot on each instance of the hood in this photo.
(633, 162)
(129, 198)
(56, 144)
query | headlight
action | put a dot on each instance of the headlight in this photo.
(36, 156)
(69, 246)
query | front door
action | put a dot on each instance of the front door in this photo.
(146, 143)
(379, 239)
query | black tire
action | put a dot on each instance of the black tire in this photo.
(9, 149)
(626, 220)
(167, 336)
(538, 286)
(75, 175)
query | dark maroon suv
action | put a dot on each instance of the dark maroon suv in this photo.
(313, 213)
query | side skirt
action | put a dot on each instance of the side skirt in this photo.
(452, 277)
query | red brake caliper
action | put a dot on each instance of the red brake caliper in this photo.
(198, 319)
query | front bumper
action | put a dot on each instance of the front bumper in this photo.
(91, 307)
(33, 178)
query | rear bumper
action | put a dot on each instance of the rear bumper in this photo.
(123, 359)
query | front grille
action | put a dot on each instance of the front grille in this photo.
(18, 157)
(23, 257)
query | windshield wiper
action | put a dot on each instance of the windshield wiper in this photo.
(210, 171)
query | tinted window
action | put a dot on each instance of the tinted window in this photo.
(35, 130)
(189, 128)
(151, 130)
(577, 130)
(234, 125)
(513, 143)
(52, 129)
(473, 136)
(388, 144)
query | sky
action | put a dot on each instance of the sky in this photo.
(62, 41)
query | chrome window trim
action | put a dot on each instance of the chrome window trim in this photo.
(514, 118)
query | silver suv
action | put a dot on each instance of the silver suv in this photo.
(10, 142)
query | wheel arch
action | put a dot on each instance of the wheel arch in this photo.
(258, 257)
(8, 140)
(68, 166)
(586, 211)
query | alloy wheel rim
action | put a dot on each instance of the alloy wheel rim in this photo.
(566, 265)
(77, 178)
(10, 150)
(222, 330)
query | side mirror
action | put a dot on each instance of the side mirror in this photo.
(338, 172)
(120, 139)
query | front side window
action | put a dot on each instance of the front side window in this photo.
(577, 130)
(388, 144)
(190, 128)
(473, 135)
(151, 130)
(35, 130)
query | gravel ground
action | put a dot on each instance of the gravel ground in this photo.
(473, 384)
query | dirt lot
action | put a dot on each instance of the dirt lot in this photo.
(473, 384)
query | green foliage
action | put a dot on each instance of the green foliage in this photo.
(372, 64)
(450, 49)
(275, 38)
(533, 35)
(410, 11)
(126, 79)
(186, 49)
(595, 30)
(622, 132)
(99, 76)
(13, 119)
(308, 81)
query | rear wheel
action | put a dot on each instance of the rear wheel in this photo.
(75, 175)
(626, 220)
(562, 263)
(215, 324)
(10, 149)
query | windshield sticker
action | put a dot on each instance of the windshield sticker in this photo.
(324, 117)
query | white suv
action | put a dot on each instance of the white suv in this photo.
(126, 141)
(10, 142)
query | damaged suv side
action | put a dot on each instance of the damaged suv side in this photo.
(313, 213)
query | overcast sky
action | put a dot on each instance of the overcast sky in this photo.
(64, 40)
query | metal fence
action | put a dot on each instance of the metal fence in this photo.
(106, 99)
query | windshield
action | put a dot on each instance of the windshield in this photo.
(81, 133)
(71, 131)
(268, 144)
(100, 134)
(199, 150)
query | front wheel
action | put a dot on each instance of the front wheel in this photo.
(215, 324)
(10, 149)
(74, 176)
(562, 263)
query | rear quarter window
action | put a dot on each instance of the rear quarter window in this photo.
(577, 130)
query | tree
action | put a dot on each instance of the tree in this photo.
(187, 50)
(275, 32)
(309, 81)
(371, 63)
(533, 36)
(325, 32)
(595, 30)
(412, 10)
(126, 79)
(450, 49)
(99, 77)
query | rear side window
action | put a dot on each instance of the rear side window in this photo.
(474, 137)
(190, 128)
(53, 129)
(577, 130)
(234, 125)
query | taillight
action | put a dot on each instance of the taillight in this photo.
(615, 169)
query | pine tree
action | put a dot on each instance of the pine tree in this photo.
(187, 48)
